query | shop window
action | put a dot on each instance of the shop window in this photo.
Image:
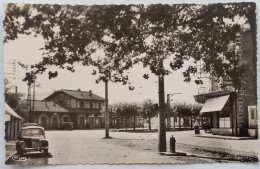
(224, 122)
(252, 114)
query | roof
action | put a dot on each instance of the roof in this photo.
(33, 127)
(9, 110)
(48, 106)
(201, 98)
(78, 94)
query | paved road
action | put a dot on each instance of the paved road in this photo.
(87, 146)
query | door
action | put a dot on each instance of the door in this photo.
(55, 122)
(81, 122)
(91, 122)
(252, 116)
(44, 122)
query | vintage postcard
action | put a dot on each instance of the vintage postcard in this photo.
(130, 84)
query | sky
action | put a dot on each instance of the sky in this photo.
(25, 49)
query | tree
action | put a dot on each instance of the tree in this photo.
(15, 100)
(148, 111)
(127, 110)
(179, 31)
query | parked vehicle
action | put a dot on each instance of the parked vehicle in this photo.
(67, 126)
(29, 124)
(32, 138)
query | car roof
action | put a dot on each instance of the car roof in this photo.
(30, 124)
(33, 127)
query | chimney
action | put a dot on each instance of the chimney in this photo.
(90, 92)
(78, 90)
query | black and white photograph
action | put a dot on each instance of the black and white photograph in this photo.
(155, 83)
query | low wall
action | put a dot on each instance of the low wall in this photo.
(222, 131)
(253, 133)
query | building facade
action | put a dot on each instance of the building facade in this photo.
(81, 108)
(230, 110)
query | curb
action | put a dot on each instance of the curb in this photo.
(227, 138)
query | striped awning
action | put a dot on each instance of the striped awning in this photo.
(214, 104)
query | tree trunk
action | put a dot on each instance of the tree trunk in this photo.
(149, 121)
(134, 123)
(191, 122)
(179, 122)
(126, 123)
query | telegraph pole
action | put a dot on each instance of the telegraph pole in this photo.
(106, 113)
(162, 126)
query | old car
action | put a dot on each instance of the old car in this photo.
(32, 138)
(29, 124)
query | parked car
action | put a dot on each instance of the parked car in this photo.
(32, 138)
(67, 126)
(29, 124)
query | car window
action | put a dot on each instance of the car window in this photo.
(31, 132)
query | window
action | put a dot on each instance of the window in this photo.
(91, 105)
(99, 105)
(252, 114)
(224, 122)
(81, 104)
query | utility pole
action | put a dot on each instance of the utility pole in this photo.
(106, 112)
(162, 126)
(29, 104)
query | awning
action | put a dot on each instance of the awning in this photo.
(9, 110)
(214, 104)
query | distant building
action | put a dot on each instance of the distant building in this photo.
(80, 107)
(233, 111)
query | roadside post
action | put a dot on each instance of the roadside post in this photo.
(172, 144)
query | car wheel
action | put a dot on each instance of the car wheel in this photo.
(46, 152)
(20, 152)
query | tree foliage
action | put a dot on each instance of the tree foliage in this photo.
(148, 109)
(15, 100)
(182, 109)
(127, 109)
(131, 34)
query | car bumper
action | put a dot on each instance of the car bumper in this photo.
(34, 149)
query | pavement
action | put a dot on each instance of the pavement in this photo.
(209, 135)
(10, 149)
(88, 147)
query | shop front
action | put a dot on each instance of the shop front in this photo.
(218, 109)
